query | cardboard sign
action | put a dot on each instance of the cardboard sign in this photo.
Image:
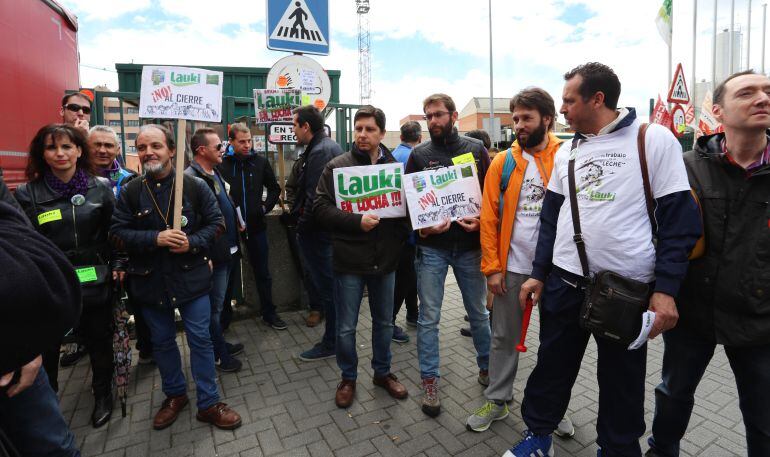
(282, 133)
(181, 93)
(447, 193)
(371, 189)
(275, 105)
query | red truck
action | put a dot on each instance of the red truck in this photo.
(38, 62)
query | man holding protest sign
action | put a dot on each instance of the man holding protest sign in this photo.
(360, 200)
(170, 269)
(448, 243)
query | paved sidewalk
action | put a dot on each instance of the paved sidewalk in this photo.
(288, 405)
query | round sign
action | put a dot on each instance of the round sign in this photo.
(678, 122)
(303, 73)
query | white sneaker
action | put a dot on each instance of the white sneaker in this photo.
(565, 428)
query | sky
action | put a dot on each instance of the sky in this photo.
(421, 47)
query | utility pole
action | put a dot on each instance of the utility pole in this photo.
(492, 133)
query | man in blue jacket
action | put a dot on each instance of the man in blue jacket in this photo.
(170, 269)
(249, 174)
(617, 235)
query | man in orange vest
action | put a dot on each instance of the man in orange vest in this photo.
(509, 229)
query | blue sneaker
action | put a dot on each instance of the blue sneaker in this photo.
(532, 446)
(317, 352)
(399, 336)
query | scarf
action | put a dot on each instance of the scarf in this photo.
(77, 185)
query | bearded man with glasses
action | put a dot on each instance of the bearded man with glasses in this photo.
(448, 243)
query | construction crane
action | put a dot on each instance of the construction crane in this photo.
(364, 56)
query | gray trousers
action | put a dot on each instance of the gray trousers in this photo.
(506, 331)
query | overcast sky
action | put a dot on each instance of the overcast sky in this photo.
(419, 47)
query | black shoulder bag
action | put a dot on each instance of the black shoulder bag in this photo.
(613, 304)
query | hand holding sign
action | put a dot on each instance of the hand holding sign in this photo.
(369, 222)
(469, 224)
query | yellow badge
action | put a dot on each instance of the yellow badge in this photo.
(464, 158)
(49, 216)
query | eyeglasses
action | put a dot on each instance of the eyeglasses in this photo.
(219, 147)
(437, 115)
(74, 107)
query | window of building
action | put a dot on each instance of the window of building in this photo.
(113, 123)
(132, 110)
(113, 109)
(132, 123)
(130, 136)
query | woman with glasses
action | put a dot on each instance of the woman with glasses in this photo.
(70, 206)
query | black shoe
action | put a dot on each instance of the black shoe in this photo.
(651, 453)
(275, 322)
(465, 331)
(467, 319)
(234, 349)
(230, 366)
(74, 353)
(102, 409)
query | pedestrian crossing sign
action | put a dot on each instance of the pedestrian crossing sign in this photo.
(298, 26)
(678, 92)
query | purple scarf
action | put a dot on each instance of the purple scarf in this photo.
(112, 173)
(77, 185)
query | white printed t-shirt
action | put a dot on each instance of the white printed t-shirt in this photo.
(526, 224)
(610, 194)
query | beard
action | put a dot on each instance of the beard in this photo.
(153, 168)
(446, 130)
(535, 138)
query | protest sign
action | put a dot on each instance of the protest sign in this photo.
(276, 105)
(181, 93)
(371, 189)
(447, 193)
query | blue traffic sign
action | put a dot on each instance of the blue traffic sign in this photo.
(298, 26)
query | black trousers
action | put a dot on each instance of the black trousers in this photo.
(95, 331)
(406, 284)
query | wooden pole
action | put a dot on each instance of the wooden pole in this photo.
(282, 175)
(181, 134)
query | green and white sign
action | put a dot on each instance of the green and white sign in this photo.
(276, 105)
(447, 193)
(181, 93)
(371, 189)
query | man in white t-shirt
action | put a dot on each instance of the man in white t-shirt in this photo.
(618, 236)
(508, 240)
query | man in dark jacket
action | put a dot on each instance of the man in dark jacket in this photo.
(170, 269)
(314, 243)
(249, 174)
(366, 253)
(725, 298)
(41, 300)
(207, 147)
(449, 243)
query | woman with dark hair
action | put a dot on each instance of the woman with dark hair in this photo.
(72, 208)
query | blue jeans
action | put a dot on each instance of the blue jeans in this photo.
(349, 292)
(432, 265)
(33, 422)
(317, 254)
(220, 277)
(196, 315)
(620, 373)
(685, 359)
(256, 247)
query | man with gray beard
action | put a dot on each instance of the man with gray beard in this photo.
(171, 269)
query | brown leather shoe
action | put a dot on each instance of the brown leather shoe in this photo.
(313, 318)
(346, 390)
(169, 411)
(390, 383)
(221, 416)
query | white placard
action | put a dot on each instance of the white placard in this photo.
(447, 193)
(371, 189)
(181, 93)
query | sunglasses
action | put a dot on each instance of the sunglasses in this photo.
(74, 107)
(219, 146)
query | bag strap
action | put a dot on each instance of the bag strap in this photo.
(508, 167)
(573, 203)
(646, 175)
